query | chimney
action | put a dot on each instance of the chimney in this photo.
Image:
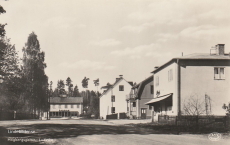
(121, 76)
(156, 67)
(220, 49)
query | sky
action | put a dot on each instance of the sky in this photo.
(107, 38)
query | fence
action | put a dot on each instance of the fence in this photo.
(17, 116)
(194, 120)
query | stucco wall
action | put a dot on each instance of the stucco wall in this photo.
(198, 80)
(145, 97)
(166, 87)
(120, 103)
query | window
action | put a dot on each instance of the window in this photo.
(66, 106)
(112, 109)
(71, 106)
(170, 75)
(151, 89)
(59, 106)
(134, 104)
(150, 107)
(53, 106)
(157, 80)
(112, 98)
(121, 88)
(77, 105)
(127, 108)
(219, 73)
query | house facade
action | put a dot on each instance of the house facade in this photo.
(139, 95)
(202, 76)
(113, 99)
(66, 106)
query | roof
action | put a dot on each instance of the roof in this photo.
(196, 56)
(142, 85)
(154, 100)
(116, 82)
(69, 100)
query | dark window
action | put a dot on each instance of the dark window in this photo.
(150, 107)
(112, 98)
(151, 89)
(134, 104)
(112, 109)
(65, 106)
(121, 88)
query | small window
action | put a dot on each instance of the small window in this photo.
(134, 104)
(219, 73)
(77, 105)
(112, 98)
(151, 89)
(59, 106)
(157, 80)
(53, 106)
(112, 109)
(170, 75)
(71, 106)
(121, 88)
(150, 107)
(66, 106)
(127, 108)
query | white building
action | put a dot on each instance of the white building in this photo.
(66, 106)
(113, 99)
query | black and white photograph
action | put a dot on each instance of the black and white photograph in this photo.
(114, 72)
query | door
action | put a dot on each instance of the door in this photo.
(143, 113)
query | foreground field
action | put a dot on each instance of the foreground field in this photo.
(80, 132)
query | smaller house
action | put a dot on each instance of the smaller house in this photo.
(139, 95)
(66, 106)
(113, 99)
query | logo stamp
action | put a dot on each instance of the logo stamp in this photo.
(215, 136)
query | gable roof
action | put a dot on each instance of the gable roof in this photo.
(116, 82)
(140, 87)
(195, 56)
(69, 100)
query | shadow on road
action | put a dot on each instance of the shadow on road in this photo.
(56, 131)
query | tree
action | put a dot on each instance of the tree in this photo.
(76, 92)
(85, 82)
(70, 86)
(34, 74)
(194, 106)
(2, 29)
(61, 87)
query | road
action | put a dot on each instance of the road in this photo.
(93, 132)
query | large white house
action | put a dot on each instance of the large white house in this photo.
(113, 99)
(204, 76)
(66, 106)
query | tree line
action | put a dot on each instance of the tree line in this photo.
(24, 85)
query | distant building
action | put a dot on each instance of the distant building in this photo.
(139, 95)
(66, 106)
(203, 75)
(113, 99)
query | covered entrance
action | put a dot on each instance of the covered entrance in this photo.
(162, 105)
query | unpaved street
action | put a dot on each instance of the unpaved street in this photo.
(96, 132)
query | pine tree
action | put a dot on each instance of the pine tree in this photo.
(34, 73)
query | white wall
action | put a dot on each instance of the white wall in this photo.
(166, 87)
(120, 103)
(75, 108)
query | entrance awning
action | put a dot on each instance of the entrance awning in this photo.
(159, 99)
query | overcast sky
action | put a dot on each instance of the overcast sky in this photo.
(107, 38)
